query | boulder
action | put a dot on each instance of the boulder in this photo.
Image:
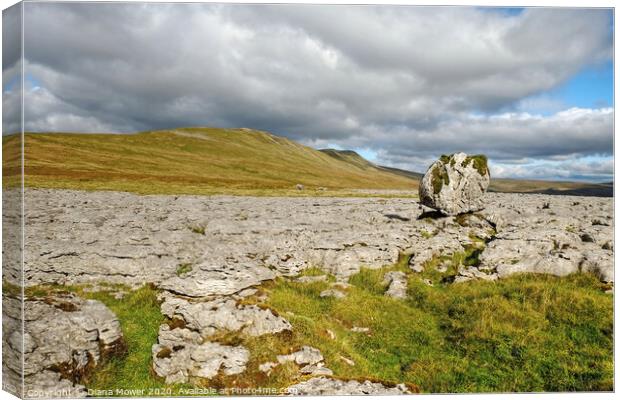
(455, 184)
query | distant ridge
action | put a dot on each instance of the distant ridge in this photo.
(354, 158)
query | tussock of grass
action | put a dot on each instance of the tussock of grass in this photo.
(525, 333)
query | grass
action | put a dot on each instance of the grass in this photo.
(520, 334)
(199, 229)
(190, 161)
(525, 333)
(183, 269)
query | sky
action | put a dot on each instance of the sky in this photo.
(531, 88)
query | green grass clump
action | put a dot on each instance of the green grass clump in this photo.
(524, 333)
(427, 234)
(183, 269)
(199, 229)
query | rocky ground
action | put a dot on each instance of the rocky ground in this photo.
(206, 254)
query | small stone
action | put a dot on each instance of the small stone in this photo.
(332, 293)
(360, 329)
(318, 369)
(267, 367)
(348, 361)
(307, 355)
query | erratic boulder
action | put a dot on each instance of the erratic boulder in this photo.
(455, 184)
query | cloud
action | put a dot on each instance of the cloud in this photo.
(11, 69)
(408, 83)
(579, 168)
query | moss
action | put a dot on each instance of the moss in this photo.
(444, 158)
(199, 229)
(183, 269)
(439, 178)
(428, 235)
(480, 163)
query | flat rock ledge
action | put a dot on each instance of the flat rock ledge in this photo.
(65, 339)
(329, 386)
(231, 243)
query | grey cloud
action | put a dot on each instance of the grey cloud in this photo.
(402, 81)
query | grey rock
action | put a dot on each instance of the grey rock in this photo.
(348, 361)
(62, 333)
(306, 355)
(455, 185)
(360, 329)
(333, 293)
(208, 317)
(316, 369)
(182, 360)
(600, 263)
(329, 386)
(398, 284)
(267, 367)
(214, 280)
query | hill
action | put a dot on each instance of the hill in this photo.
(354, 158)
(189, 161)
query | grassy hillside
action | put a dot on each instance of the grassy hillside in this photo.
(354, 158)
(188, 161)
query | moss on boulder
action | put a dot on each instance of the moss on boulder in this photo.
(480, 163)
